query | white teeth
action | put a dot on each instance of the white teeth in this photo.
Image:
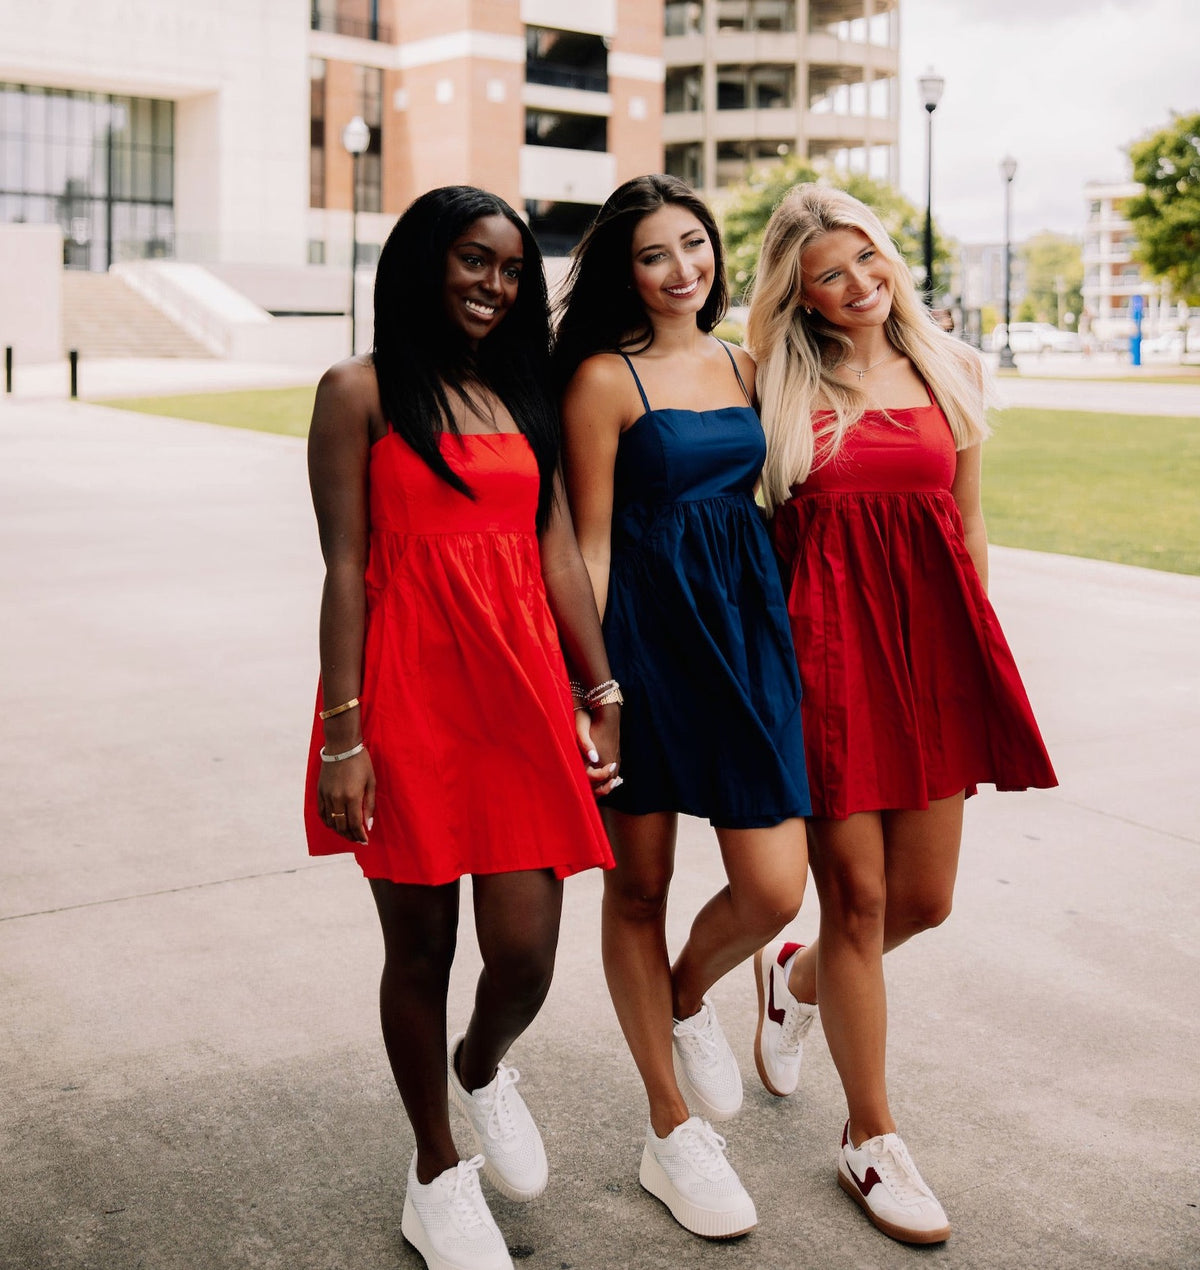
(680, 292)
(483, 310)
(865, 301)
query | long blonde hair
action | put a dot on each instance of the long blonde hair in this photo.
(797, 351)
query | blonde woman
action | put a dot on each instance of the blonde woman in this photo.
(874, 420)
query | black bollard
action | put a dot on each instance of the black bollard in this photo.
(8, 352)
(73, 358)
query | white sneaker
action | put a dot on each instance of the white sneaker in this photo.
(783, 1022)
(705, 1067)
(882, 1179)
(448, 1221)
(688, 1171)
(514, 1159)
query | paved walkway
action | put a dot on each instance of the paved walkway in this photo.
(191, 1072)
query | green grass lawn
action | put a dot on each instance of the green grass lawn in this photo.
(1110, 487)
(283, 410)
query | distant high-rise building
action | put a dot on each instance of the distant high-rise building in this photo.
(1111, 276)
(751, 81)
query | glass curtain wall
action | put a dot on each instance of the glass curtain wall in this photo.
(100, 166)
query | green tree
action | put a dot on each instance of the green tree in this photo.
(1166, 215)
(1053, 279)
(750, 206)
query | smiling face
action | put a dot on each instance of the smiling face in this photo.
(672, 261)
(483, 270)
(847, 279)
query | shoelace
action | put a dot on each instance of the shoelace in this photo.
(700, 1037)
(501, 1124)
(705, 1148)
(900, 1173)
(796, 1023)
(465, 1210)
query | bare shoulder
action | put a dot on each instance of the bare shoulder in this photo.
(347, 398)
(747, 367)
(601, 372)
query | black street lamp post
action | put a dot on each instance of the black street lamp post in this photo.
(931, 87)
(356, 136)
(1008, 169)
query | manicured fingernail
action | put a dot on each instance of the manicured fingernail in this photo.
(619, 781)
(370, 822)
(593, 757)
(612, 767)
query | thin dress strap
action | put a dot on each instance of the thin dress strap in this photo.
(636, 380)
(738, 373)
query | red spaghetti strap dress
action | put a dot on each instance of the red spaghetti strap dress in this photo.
(910, 691)
(466, 708)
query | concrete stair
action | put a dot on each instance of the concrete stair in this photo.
(104, 317)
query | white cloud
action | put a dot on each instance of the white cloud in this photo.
(1062, 86)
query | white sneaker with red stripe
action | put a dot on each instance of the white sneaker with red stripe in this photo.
(882, 1179)
(783, 1022)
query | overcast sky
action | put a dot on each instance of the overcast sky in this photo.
(1061, 85)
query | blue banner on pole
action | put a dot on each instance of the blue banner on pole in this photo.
(1137, 306)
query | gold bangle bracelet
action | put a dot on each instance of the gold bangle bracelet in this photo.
(346, 705)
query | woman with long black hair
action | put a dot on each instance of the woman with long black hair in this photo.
(444, 742)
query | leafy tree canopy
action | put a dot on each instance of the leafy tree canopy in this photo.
(1053, 278)
(750, 207)
(1166, 215)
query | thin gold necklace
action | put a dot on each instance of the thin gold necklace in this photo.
(862, 373)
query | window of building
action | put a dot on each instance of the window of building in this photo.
(756, 15)
(567, 131)
(566, 59)
(558, 226)
(316, 131)
(369, 84)
(102, 167)
(357, 18)
(685, 162)
(683, 17)
(761, 87)
(684, 89)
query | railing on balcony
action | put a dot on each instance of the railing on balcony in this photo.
(559, 76)
(358, 28)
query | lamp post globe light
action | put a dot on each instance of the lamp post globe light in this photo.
(356, 136)
(1008, 169)
(930, 86)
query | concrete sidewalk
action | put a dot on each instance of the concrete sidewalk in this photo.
(192, 1074)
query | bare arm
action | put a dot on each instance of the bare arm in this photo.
(593, 409)
(966, 492)
(573, 604)
(339, 443)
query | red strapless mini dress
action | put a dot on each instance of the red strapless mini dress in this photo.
(466, 710)
(910, 690)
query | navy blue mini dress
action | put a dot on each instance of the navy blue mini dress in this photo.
(696, 625)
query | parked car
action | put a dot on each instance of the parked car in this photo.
(1036, 337)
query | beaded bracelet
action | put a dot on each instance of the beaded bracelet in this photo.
(604, 694)
(346, 705)
(345, 754)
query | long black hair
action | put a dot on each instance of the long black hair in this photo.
(599, 307)
(420, 355)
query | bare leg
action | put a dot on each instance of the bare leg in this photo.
(516, 920)
(920, 864)
(420, 925)
(767, 870)
(634, 948)
(852, 864)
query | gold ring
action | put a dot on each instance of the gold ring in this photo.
(337, 815)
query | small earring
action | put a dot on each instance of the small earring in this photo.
(808, 310)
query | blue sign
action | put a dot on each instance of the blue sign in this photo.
(1136, 307)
